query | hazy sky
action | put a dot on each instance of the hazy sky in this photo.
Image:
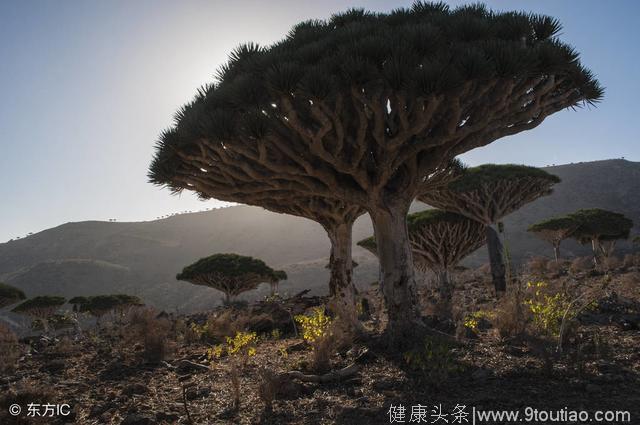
(86, 87)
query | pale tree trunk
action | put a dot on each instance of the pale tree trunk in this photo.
(341, 287)
(398, 283)
(445, 293)
(594, 249)
(496, 260)
(556, 251)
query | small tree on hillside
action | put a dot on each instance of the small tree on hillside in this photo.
(602, 229)
(42, 308)
(278, 276)
(487, 194)
(440, 240)
(101, 305)
(10, 295)
(230, 273)
(554, 230)
(362, 107)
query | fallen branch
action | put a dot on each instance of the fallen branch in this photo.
(327, 377)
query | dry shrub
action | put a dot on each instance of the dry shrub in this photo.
(64, 347)
(484, 271)
(268, 389)
(554, 268)
(581, 264)
(10, 349)
(145, 326)
(611, 263)
(226, 324)
(537, 265)
(511, 315)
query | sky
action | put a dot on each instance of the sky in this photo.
(87, 86)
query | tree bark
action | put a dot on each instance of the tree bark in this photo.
(445, 293)
(594, 249)
(556, 251)
(396, 269)
(494, 245)
(341, 287)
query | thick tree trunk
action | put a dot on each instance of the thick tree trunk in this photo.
(445, 293)
(496, 260)
(341, 286)
(396, 269)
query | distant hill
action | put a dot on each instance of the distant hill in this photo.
(143, 258)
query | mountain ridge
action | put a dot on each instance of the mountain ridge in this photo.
(148, 254)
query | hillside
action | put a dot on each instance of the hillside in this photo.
(142, 258)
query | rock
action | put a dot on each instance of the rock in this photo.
(386, 384)
(138, 419)
(135, 388)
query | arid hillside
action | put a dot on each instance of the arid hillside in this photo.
(143, 258)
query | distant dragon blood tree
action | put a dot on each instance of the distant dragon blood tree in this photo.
(99, 305)
(10, 295)
(231, 274)
(278, 276)
(554, 230)
(488, 193)
(363, 107)
(439, 241)
(600, 228)
(42, 307)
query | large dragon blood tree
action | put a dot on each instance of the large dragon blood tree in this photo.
(439, 241)
(554, 230)
(362, 107)
(231, 274)
(488, 193)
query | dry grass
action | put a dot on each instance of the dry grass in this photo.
(537, 266)
(226, 324)
(581, 265)
(511, 316)
(10, 349)
(144, 326)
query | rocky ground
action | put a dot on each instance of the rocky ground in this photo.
(102, 375)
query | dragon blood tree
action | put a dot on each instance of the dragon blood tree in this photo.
(601, 228)
(554, 230)
(439, 241)
(362, 107)
(278, 276)
(99, 305)
(10, 295)
(231, 274)
(487, 194)
(42, 308)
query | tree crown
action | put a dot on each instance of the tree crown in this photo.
(489, 174)
(596, 223)
(367, 101)
(554, 224)
(101, 303)
(228, 265)
(41, 302)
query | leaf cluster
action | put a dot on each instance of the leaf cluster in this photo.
(229, 265)
(474, 178)
(41, 302)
